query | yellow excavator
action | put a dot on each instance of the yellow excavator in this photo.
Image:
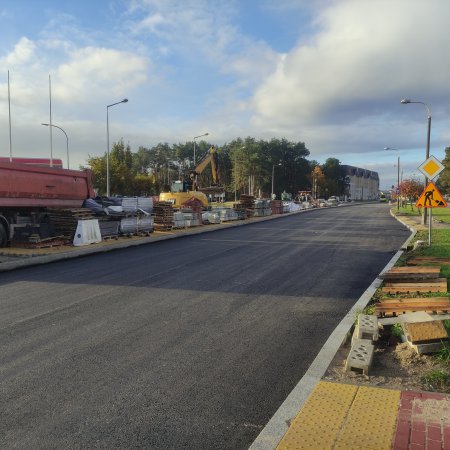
(181, 191)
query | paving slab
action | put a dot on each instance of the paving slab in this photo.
(344, 416)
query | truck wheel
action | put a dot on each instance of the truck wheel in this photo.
(3, 236)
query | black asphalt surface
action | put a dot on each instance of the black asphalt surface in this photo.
(191, 343)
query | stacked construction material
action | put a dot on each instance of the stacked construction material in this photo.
(163, 216)
(178, 219)
(239, 209)
(145, 204)
(405, 283)
(425, 337)
(262, 208)
(136, 224)
(276, 206)
(248, 202)
(192, 217)
(226, 214)
(36, 236)
(108, 228)
(65, 221)
(209, 217)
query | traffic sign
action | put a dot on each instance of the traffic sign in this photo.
(431, 167)
(431, 198)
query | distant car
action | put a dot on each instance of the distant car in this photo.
(322, 202)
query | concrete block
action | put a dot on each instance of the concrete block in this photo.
(367, 327)
(360, 356)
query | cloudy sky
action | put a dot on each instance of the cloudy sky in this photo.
(327, 73)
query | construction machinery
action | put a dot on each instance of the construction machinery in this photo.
(29, 188)
(182, 191)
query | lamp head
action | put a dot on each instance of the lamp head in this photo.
(405, 101)
(124, 100)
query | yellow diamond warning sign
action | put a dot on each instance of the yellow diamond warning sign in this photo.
(431, 167)
(431, 198)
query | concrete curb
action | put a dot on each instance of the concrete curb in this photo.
(278, 425)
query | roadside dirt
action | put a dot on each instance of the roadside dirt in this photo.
(395, 365)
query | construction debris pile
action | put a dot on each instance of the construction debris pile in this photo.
(413, 296)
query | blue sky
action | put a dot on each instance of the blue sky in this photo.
(327, 73)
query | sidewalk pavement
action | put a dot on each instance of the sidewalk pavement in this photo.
(338, 416)
(344, 416)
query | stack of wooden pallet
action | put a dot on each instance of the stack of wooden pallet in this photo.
(408, 284)
(277, 206)
(248, 203)
(65, 221)
(163, 216)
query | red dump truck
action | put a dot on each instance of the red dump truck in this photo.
(27, 190)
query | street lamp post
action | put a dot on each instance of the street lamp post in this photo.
(405, 101)
(273, 173)
(195, 137)
(67, 140)
(398, 176)
(107, 143)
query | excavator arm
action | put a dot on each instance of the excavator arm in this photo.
(210, 157)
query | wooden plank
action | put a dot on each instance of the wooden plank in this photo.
(438, 285)
(418, 260)
(408, 300)
(391, 311)
(413, 273)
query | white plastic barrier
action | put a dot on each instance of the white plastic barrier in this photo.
(88, 232)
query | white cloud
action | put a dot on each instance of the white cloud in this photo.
(362, 59)
(99, 71)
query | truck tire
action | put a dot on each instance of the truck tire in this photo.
(3, 236)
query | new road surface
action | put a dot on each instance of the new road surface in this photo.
(189, 343)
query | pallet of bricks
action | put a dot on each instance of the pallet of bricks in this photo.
(65, 221)
(163, 216)
(276, 206)
(248, 204)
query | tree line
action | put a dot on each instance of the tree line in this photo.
(247, 166)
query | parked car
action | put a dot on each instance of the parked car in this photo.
(322, 202)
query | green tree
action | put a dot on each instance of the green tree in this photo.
(444, 177)
(332, 171)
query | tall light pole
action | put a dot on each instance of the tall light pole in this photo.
(405, 101)
(107, 143)
(398, 176)
(195, 137)
(273, 173)
(67, 140)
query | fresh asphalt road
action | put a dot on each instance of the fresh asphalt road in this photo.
(191, 343)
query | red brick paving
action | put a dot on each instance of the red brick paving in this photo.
(423, 422)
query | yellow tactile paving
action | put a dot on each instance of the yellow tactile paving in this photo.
(370, 424)
(341, 416)
(319, 421)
